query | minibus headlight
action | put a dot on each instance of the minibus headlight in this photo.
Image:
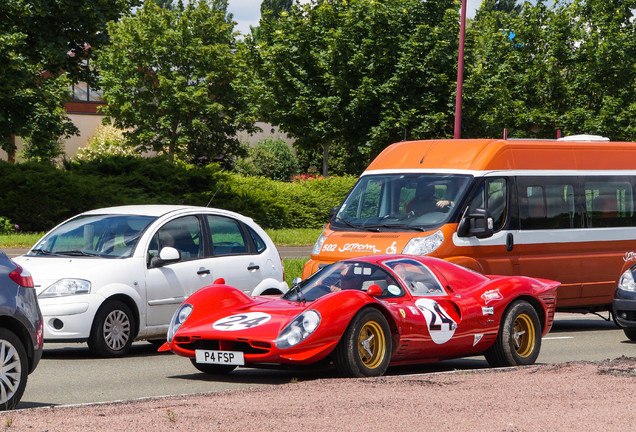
(627, 283)
(318, 245)
(424, 245)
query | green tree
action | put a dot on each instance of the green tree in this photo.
(55, 37)
(275, 7)
(169, 78)
(355, 76)
(272, 158)
(571, 66)
(507, 6)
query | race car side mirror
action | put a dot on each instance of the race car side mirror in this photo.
(374, 290)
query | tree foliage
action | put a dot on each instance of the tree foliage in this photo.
(570, 67)
(42, 42)
(358, 75)
(273, 8)
(169, 78)
(271, 158)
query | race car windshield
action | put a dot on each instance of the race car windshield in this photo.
(108, 236)
(398, 202)
(342, 276)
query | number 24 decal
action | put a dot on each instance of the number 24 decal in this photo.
(241, 321)
(441, 327)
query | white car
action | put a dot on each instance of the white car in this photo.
(110, 276)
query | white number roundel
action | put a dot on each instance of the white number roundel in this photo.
(441, 326)
(241, 321)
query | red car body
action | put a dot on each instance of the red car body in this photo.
(437, 311)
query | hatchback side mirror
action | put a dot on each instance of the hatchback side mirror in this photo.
(167, 255)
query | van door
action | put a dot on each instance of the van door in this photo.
(550, 219)
(496, 254)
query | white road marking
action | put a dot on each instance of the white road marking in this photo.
(558, 337)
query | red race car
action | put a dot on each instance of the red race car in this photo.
(367, 314)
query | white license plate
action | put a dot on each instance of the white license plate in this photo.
(220, 357)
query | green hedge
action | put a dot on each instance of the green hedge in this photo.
(38, 196)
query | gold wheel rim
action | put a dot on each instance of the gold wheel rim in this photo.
(523, 335)
(371, 344)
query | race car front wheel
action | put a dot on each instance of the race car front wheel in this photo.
(519, 339)
(365, 347)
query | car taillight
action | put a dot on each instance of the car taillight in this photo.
(21, 276)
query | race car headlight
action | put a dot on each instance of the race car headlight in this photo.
(67, 287)
(299, 329)
(318, 245)
(626, 282)
(178, 319)
(424, 245)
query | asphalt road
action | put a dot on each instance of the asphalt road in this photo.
(68, 374)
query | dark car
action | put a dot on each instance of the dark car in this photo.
(20, 331)
(624, 303)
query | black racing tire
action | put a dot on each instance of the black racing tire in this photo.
(365, 347)
(213, 369)
(630, 333)
(519, 340)
(14, 371)
(113, 330)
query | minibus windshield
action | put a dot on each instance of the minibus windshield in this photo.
(415, 201)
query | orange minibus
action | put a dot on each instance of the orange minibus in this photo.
(555, 209)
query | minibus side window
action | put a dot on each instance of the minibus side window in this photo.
(609, 202)
(547, 203)
(491, 195)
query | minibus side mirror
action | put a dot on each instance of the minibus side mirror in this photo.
(478, 223)
(333, 212)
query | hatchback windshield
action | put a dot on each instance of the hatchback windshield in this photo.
(402, 201)
(95, 235)
(345, 275)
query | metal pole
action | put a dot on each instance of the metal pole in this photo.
(460, 73)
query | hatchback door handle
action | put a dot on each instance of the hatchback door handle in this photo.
(203, 271)
(253, 267)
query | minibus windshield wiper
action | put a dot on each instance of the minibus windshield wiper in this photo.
(398, 226)
(359, 227)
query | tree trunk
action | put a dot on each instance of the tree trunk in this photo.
(325, 158)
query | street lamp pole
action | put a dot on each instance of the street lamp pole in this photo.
(460, 73)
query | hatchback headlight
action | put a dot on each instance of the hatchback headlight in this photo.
(424, 245)
(626, 282)
(178, 319)
(67, 287)
(299, 329)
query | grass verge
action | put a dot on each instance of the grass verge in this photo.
(281, 237)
